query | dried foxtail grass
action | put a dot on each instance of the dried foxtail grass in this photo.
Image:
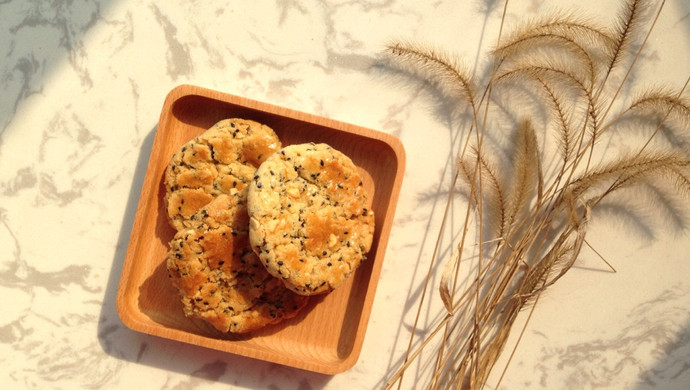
(532, 213)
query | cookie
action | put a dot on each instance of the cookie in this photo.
(220, 278)
(221, 160)
(310, 223)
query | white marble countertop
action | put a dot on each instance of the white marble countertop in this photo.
(82, 86)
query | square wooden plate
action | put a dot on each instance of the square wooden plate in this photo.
(327, 335)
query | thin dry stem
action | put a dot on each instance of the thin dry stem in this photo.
(536, 221)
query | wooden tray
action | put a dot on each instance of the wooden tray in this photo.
(327, 336)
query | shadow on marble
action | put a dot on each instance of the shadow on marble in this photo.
(672, 370)
(440, 107)
(650, 349)
(199, 363)
(38, 40)
(443, 109)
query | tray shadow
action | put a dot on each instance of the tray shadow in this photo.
(132, 347)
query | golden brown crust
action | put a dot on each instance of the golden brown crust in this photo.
(220, 278)
(210, 261)
(222, 160)
(309, 219)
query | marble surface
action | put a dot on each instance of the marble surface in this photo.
(83, 82)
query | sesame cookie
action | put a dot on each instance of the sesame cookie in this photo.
(310, 223)
(220, 278)
(221, 160)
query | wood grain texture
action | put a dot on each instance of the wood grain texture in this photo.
(327, 336)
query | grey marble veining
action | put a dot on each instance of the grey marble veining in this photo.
(83, 83)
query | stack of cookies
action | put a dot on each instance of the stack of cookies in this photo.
(261, 227)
